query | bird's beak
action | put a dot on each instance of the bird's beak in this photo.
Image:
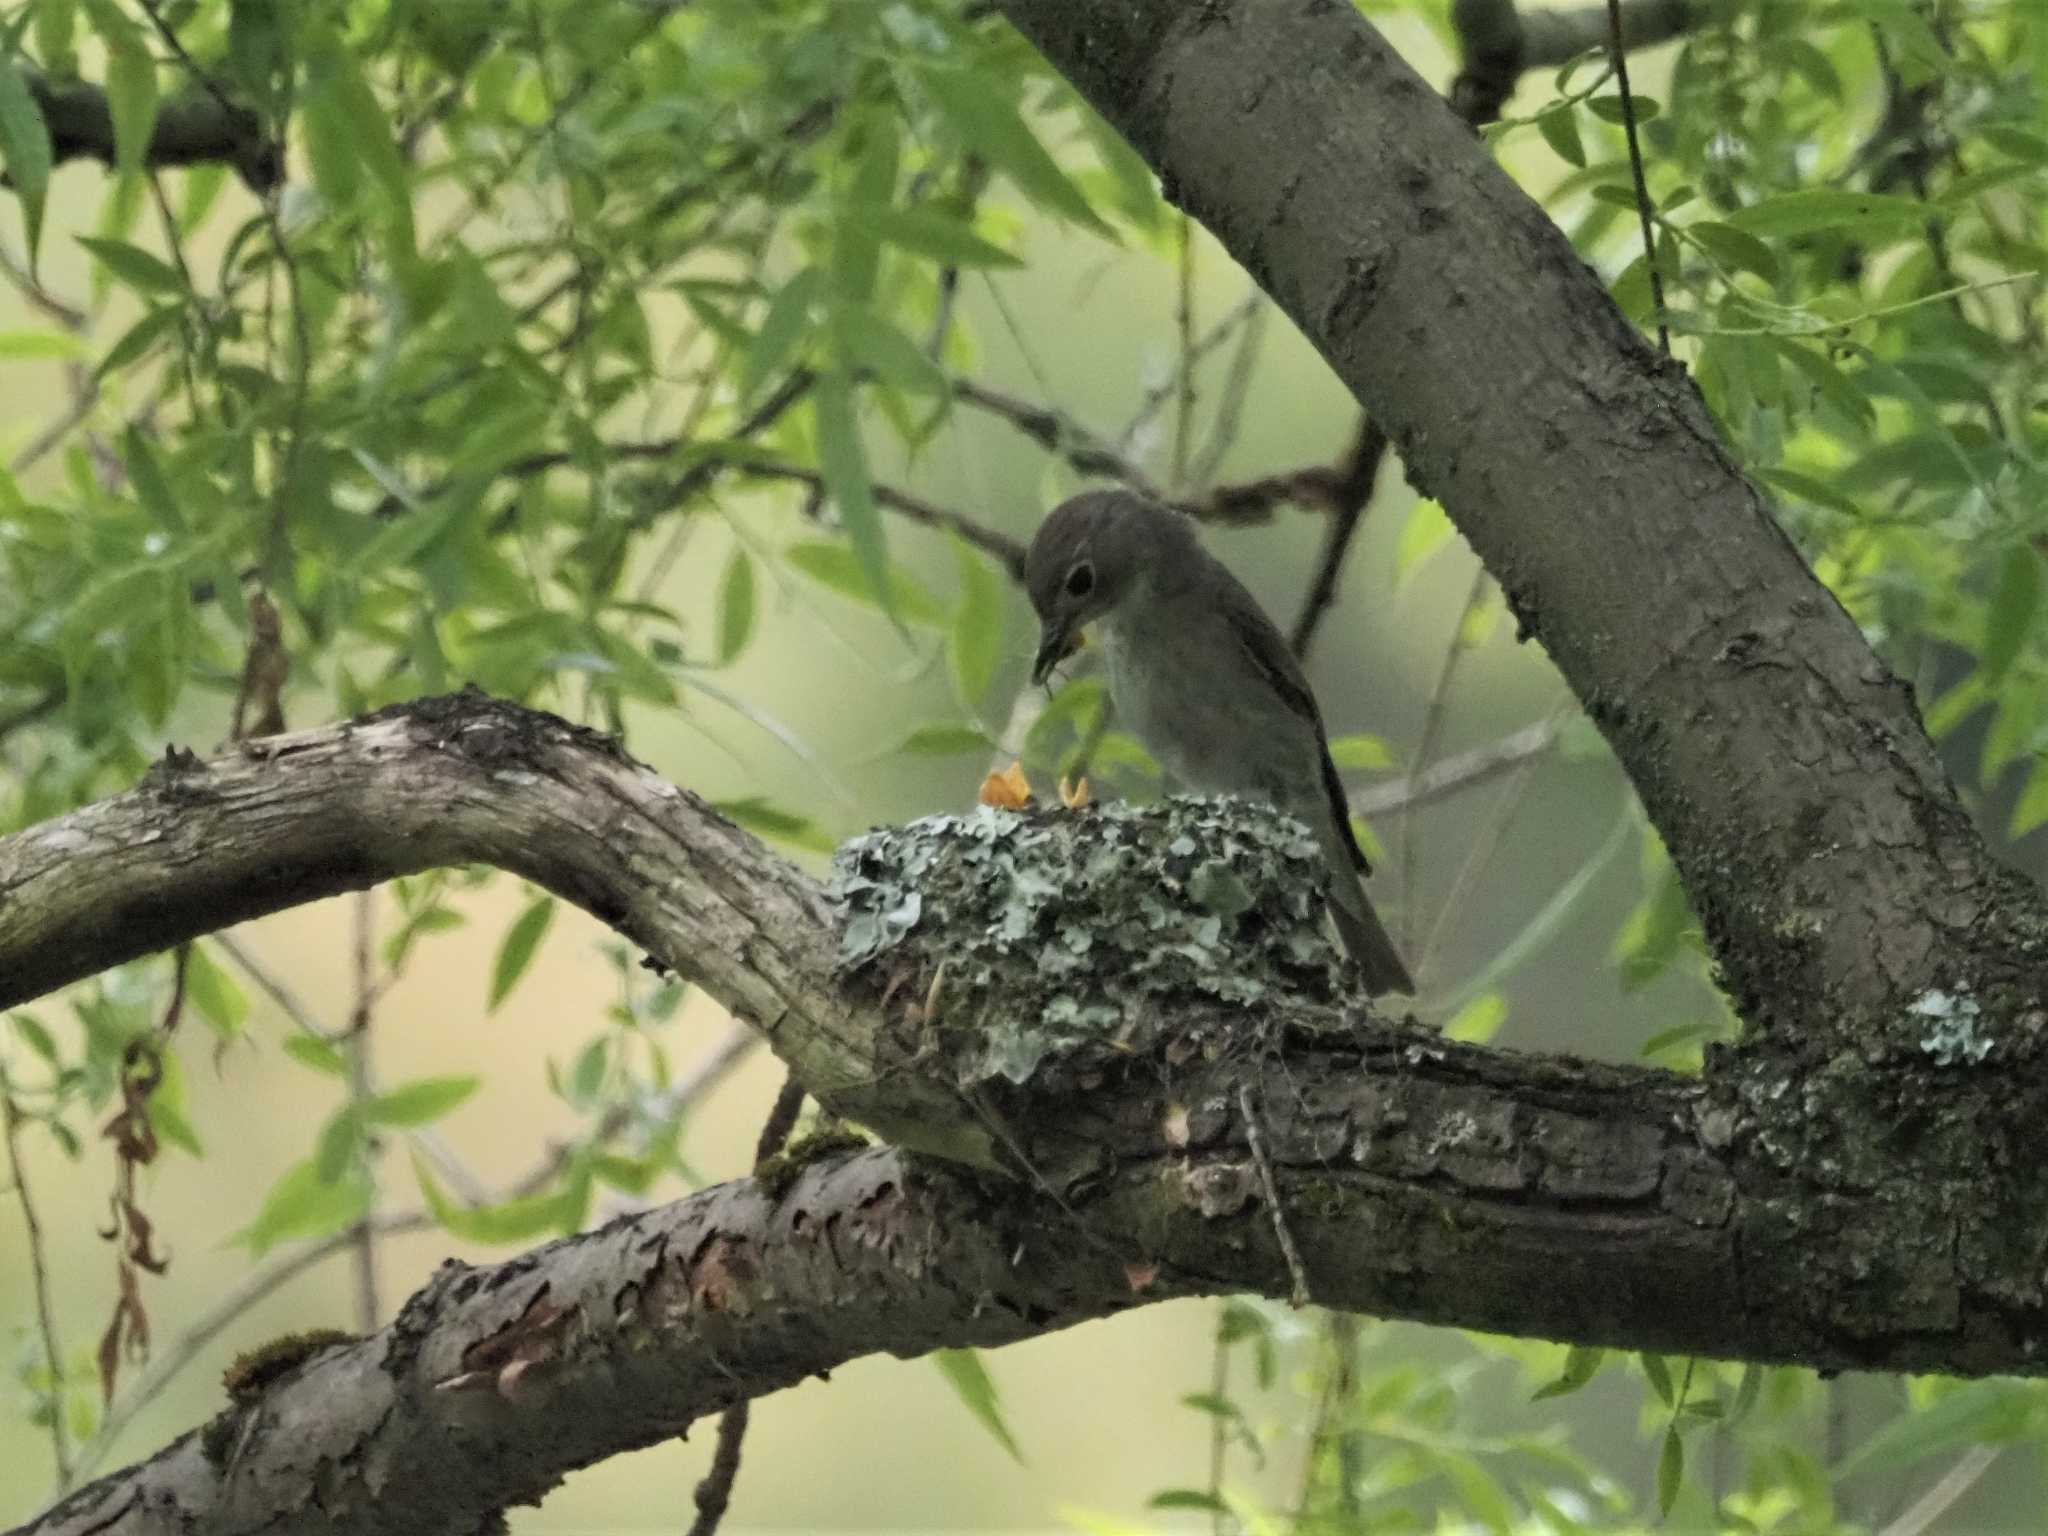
(1056, 642)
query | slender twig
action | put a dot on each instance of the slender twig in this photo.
(1425, 746)
(1350, 1442)
(1184, 374)
(1483, 845)
(714, 1492)
(1350, 496)
(1954, 1483)
(1255, 1138)
(1155, 398)
(1237, 390)
(361, 1088)
(39, 1274)
(1006, 550)
(1056, 432)
(1619, 51)
(1460, 771)
(272, 986)
(1219, 1440)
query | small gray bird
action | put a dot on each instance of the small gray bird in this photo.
(1200, 676)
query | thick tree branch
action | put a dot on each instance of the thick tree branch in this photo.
(1423, 1179)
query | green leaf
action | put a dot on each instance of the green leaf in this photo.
(2030, 810)
(131, 84)
(146, 473)
(25, 152)
(735, 606)
(2010, 618)
(1478, 1492)
(136, 267)
(37, 1037)
(334, 1153)
(1736, 248)
(1670, 1470)
(328, 133)
(516, 953)
(301, 1204)
(844, 463)
(1610, 109)
(218, 997)
(856, 249)
(1479, 1020)
(974, 643)
(947, 241)
(1559, 126)
(1659, 1376)
(1581, 1365)
(418, 1102)
(138, 339)
(1188, 1498)
(1825, 208)
(757, 815)
(1807, 488)
(942, 741)
(1991, 1412)
(835, 566)
(1360, 752)
(512, 1221)
(312, 1052)
(868, 341)
(784, 325)
(1423, 532)
(964, 1371)
(989, 122)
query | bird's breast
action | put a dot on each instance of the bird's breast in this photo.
(1211, 731)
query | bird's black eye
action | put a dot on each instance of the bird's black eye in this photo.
(1081, 580)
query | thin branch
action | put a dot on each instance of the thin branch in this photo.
(1276, 1212)
(39, 1274)
(1184, 334)
(1432, 729)
(1237, 389)
(361, 1089)
(1461, 771)
(1618, 50)
(1056, 432)
(1349, 497)
(714, 1491)
(1155, 398)
(1006, 551)
(1969, 1468)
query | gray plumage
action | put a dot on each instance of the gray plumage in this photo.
(1200, 676)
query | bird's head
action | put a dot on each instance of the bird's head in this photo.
(1088, 556)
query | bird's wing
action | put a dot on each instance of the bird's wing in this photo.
(1270, 654)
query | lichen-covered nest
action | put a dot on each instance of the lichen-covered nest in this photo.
(1033, 932)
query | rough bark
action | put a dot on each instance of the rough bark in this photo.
(1417, 1178)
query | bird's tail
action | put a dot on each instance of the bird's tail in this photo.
(1366, 938)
